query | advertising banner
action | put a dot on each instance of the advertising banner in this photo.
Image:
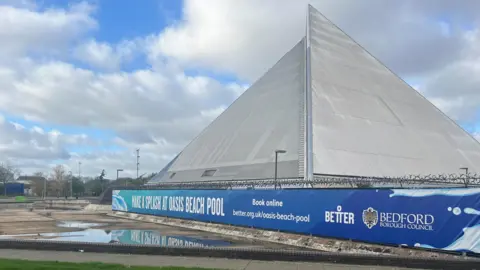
(447, 219)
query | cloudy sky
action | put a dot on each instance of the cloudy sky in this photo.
(91, 81)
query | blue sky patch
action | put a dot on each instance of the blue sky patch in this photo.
(103, 135)
(224, 78)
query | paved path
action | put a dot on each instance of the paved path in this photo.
(144, 260)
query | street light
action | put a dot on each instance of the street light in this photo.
(466, 175)
(71, 183)
(276, 164)
(44, 187)
(80, 171)
(121, 170)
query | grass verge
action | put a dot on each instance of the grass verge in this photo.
(20, 199)
(45, 265)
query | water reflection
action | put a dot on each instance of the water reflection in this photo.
(139, 237)
(78, 224)
(144, 237)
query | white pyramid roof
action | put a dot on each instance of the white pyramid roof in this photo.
(335, 109)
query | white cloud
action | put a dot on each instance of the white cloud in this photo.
(228, 35)
(23, 29)
(425, 40)
(246, 37)
(145, 100)
(18, 142)
(104, 56)
(456, 86)
(156, 111)
(159, 108)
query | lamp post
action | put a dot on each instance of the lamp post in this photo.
(276, 164)
(44, 188)
(80, 171)
(138, 158)
(121, 170)
(466, 175)
(71, 183)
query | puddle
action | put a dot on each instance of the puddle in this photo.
(90, 233)
(138, 237)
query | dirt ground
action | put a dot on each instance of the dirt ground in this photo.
(30, 224)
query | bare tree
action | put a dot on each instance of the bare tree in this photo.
(39, 174)
(57, 178)
(7, 174)
(39, 185)
(58, 173)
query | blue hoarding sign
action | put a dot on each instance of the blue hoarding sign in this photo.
(14, 189)
(446, 219)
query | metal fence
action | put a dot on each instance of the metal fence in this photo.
(329, 181)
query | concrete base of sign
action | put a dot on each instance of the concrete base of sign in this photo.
(98, 208)
(303, 241)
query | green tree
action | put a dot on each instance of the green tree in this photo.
(102, 180)
(77, 186)
(96, 186)
(93, 187)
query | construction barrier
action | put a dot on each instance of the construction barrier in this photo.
(447, 219)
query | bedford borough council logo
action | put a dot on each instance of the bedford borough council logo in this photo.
(370, 217)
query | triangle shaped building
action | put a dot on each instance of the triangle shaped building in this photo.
(335, 110)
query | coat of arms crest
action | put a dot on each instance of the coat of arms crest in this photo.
(370, 217)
